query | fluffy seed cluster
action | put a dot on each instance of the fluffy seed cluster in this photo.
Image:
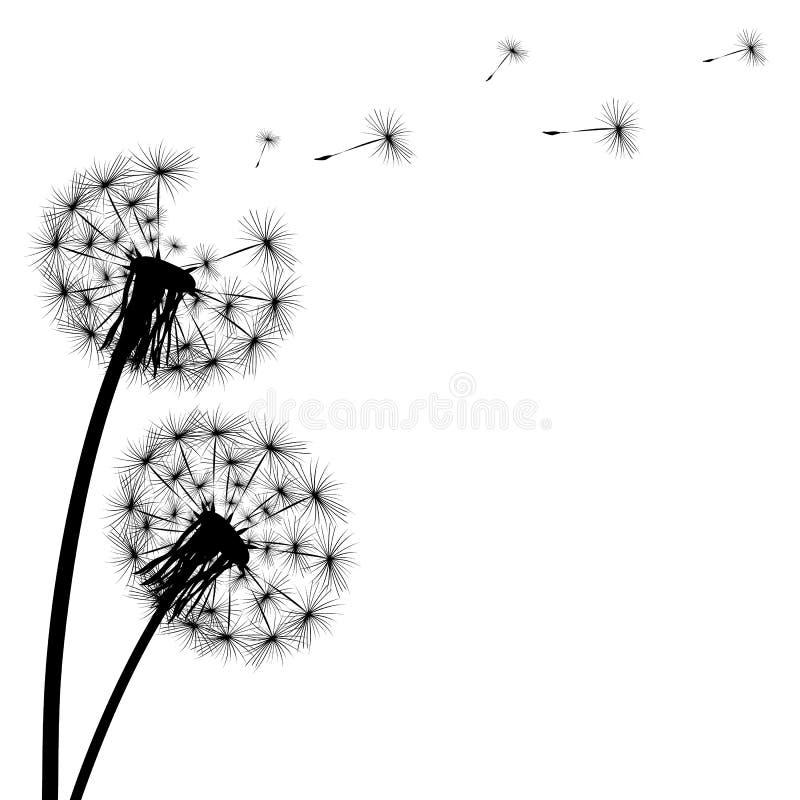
(512, 49)
(94, 228)
(284, 508)
(392, 142)
(752, 45)
(620, 135)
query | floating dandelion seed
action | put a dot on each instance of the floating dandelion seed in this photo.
(619, 129)
(202, 574)
(751, 50)
(174, 247)
(269, 240)
(512, 52)
(111, 290)
(268, 141)
(390, 142)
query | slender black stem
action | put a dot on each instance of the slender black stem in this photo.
(498, 66)
(116, 695)
(66, 567)
(158, 215)
(580, 130)
(270, 515)
(240, 250)
(104, 235)
(716, 58)
(261, 154)
(363, 144)
(121, 221)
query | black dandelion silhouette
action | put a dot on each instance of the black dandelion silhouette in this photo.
(231, 538)
(268, 141)
(512, 52)
(618, 129)
(750, 50)
(389, 138)
(126, 293)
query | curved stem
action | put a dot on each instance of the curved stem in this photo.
(116, 695)
(66, 568)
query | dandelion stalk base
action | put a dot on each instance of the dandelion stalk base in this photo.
(64, 572)
(116, 696)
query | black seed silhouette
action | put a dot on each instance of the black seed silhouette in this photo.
(112, 292)
(268, 141)
(751, 49)
(228, 533)
(389, 142)
(619, 129)
(512, 52)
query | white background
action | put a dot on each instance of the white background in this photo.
(605, 609)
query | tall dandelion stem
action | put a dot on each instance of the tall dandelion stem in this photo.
(66, 567)
(116, 695)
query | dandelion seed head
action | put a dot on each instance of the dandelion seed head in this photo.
(753, 46)
(103, 241)
(267, 138)
(513, 49)
(621, 118)
(226, 519)
(270, 240)
(392, 145)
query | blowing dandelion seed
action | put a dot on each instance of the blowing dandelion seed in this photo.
(512, 52)
(388, 138)
(268, 141)
(230, 535)
(750, 50)
(128, 295)
(618, 129)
